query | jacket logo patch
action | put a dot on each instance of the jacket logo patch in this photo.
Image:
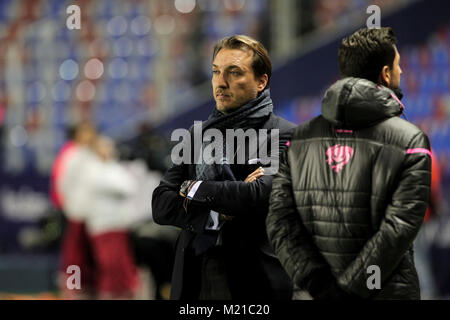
(338, 156)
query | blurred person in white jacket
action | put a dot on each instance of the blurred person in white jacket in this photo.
(75, 250)
(109, 191)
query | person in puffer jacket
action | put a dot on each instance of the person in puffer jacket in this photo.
(353, 186)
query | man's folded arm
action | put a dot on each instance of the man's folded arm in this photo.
(167, 204)
(233, 197)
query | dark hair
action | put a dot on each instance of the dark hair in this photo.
(261, 63)
(366, 52)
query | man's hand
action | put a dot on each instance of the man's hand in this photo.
(255, 175)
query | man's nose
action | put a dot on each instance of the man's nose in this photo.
(222, 81)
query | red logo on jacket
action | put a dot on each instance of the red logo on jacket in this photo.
(338, 156)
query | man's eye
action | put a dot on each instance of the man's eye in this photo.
(215, 71)
(235, 73)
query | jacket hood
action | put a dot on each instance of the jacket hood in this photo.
(357, 103)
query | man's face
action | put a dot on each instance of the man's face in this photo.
(233, 79)
(396, 71)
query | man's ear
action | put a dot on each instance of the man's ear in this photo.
(262, 82)
(385, 76)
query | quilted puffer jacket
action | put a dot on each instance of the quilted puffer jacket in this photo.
(351, 193)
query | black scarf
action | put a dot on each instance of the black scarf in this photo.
(251, 115)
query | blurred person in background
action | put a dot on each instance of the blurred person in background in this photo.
(110, 189)
(222, 251)
(70, 193)
(354, 185)
(103, 204)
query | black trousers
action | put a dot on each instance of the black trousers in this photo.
(214, 282)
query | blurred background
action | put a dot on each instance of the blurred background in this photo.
(137, 70)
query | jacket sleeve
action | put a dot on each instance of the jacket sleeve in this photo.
(233, 197)
(167, 204)
(403, 218)
(291, 241)
(238, 197)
